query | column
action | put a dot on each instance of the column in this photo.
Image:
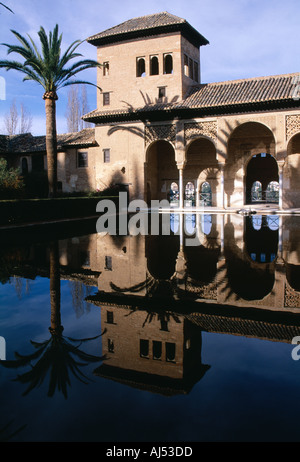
(280, 171)
(180, 158)
(222, 166)
(181, 191)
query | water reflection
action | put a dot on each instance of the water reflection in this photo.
(58, 357)
(157, 296)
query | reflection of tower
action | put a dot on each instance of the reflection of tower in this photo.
(151, 351)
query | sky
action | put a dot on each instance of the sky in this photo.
(247, 38)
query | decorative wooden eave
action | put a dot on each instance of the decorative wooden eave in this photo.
(147, 26)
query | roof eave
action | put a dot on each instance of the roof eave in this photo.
(188, 31)
(187, 113)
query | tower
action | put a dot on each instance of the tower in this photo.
(147, 60)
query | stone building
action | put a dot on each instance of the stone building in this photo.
(166, 135)
(75, 157)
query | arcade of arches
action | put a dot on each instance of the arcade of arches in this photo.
(250, 171)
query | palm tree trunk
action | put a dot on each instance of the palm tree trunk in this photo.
(51, 141)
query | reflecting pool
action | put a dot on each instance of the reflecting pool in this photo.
(185, 337)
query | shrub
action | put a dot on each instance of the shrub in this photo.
(11, 182)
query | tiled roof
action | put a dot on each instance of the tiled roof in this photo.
(235, 95)
(246, 91)
(27, 143)
(146, 25)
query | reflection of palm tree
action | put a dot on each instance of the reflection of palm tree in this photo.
(7, 433)
(59, 356)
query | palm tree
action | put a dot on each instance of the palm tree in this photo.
(52, 70)
(5, 6)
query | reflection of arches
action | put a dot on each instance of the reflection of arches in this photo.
(261, 238)
(161, 169)
(262, 174)
(246, 279)
(161, 254)
(197, 270)
(293, 276)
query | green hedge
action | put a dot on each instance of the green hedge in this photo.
(39, 210)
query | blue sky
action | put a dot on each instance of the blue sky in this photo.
(248, 38)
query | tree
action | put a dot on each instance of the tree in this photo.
(73, 110)
(52, 70)
(76, 108)
(25, 120)
(11, 119)
(16, 122)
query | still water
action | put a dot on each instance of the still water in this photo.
(146, 338)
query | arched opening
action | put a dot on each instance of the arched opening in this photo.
(251, 144)
(154, 66)
(202, 169)
(174, 193)
(140, 67)
(272, 192)
(168, 64)
(24, 166)
(161, 171)
(205, 194)
(256, 192)
(189, 194)
(262, 179)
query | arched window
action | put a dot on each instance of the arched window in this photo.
(24, 166)
(140, 67)
(256, 192)
(272, 192)
(168, 64)
(174, 193)
(154, 66)
(190, 193)
(205, 194)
